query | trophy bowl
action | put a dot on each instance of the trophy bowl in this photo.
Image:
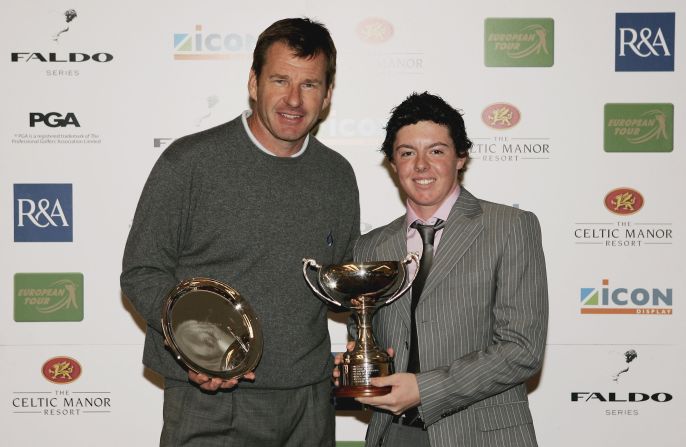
(362, 288)
(211, 328)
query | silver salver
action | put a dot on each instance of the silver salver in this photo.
(211, 328)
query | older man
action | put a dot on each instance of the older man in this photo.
(243, 203)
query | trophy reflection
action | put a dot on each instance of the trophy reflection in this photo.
(362, 288)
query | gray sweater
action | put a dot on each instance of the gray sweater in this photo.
(217, 206)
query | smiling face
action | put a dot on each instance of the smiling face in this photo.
(426, 163)
(289, 96)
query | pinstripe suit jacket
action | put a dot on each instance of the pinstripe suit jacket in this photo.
(481, 324)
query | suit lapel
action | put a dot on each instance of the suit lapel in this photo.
(393, 247)
(461, 230)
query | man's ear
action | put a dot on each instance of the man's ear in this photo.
(252, 85)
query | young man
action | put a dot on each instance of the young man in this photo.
(473, 329)
(243, 203)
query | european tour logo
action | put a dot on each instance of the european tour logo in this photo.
(647, 127)
(48, 297)
(515, 42)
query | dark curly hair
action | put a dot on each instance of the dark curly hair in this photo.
(427, 107)
(305, 37)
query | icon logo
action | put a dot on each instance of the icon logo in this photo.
(61, 370)
(500, 116)
(624, 201)
(212, 46)
(622, 300)
(375, 30)
(519, 42)
(644, 41)
(43, 213)
(48, 297)
(639, 128)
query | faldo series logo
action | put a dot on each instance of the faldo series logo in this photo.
(380, 52)
(622, 399)
(625, 300)
(48, 297)
(514, 42)
(63, 372)
(639, 127)
(644, 41)
(623, 230)
(43, 212)
(61, 61)
(202, 45)
(505, 145)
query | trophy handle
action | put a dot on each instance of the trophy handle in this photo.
(412, 256)
(315, 289)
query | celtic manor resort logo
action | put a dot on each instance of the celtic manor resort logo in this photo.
(500, 116)
(61, 370)
(639, 127)
(48, 297)
(510, 42)
(624, 300)
(374, 30)
(624, 201)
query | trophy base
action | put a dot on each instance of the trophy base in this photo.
(361, 391)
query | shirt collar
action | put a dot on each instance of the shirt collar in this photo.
(441, 213)
(244, 118)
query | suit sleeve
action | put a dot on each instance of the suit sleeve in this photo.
(520, 315)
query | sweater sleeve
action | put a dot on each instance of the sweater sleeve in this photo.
(155, 241)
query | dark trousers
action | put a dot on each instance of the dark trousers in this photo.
(249, 417)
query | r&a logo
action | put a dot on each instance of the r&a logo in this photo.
(53, 119)
(644, 41)
(43, 213)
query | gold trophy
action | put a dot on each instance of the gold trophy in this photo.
(362, 288)
(211, 328)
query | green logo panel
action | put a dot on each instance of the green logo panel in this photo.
(639, 127)
(519, 42)
(48, 297)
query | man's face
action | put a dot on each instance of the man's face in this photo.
(289, 97)
(425, 160)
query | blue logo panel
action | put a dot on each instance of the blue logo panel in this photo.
(43, 213)
(644, 41)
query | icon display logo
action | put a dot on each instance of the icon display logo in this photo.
(48, 297)
(639, 127)
(61, 370)
(644, 41)
(43, 213)
(624, 201)
(500, 116)
(212, 46)
(623, 300)
(510, 42)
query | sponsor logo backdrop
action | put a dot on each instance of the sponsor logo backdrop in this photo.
(576, 115)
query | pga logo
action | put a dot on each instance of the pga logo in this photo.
(53, 119)
(43, 213)
(644, 41)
